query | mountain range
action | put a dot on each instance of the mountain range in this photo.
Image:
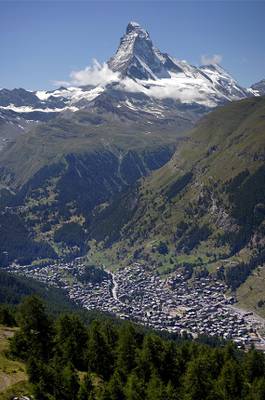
(143, 83)
(163, 162)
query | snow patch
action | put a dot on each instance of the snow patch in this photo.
(28, 109)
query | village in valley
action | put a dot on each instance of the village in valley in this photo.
(198, 306)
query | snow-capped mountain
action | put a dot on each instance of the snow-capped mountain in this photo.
(148, 83)
(259, 88)
(137, 58)
(162, 76)
(142, 69)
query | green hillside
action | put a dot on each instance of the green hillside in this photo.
(68, 169)
(80, 133)
(85, 187)
(206, 206)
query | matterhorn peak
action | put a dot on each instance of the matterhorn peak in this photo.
(133, 27)
(136, 56)
(143, 78)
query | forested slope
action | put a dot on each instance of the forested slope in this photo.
(67, 360)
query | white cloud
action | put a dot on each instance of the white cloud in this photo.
(178, 87)
(215, 59)
(170, 89)
(96, 74)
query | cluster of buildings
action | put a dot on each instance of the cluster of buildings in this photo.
(198, 306)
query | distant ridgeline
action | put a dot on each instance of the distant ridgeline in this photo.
(105, 361)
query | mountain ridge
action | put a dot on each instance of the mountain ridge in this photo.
(207, 203)
(142, 79)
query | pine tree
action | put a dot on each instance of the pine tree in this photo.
(197, 381)
(257, 391)
(230, 382)
(115, 387)
(152, 355)
(71, 338)
(155, 389)
(41, 376)
(126, 349)
(171, 392)
(254, 365)
(35, 335)
(70, 383)
(111, 333)
(169, 368)
(99, 354)
(134, 389)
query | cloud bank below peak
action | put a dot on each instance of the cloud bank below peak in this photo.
(95, 74)
(187, 86)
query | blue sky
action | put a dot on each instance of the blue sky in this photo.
(43, 41)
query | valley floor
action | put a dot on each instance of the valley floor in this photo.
(199, 306)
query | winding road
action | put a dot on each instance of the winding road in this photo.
(114, 288)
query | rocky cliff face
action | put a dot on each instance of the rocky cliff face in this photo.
(136, 56)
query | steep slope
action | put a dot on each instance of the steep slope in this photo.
(63, 170)
(206, 206)
(84, 171)
(82, 132)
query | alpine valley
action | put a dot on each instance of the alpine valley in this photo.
(161, 168)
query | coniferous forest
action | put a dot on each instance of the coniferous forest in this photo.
(106, 360)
